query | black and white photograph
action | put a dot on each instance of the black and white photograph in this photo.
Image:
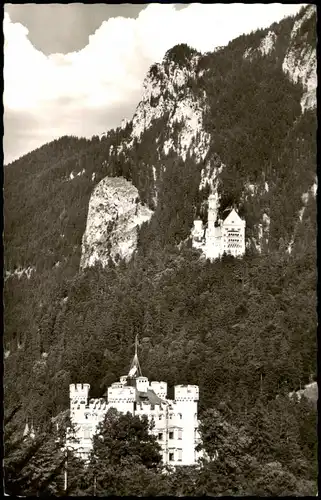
(160, 250)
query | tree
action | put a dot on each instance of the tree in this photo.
(227, 468)
(125, 456)
(34, 465)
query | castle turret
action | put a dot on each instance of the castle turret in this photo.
(186, 393)
(142, 384)
(122, 397)
(160, 389)
(186, 398)
(78, 393)
(214, 228)
(198, 230)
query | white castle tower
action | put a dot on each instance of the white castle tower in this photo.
(214, 231)
(221, 236)
(176, 423)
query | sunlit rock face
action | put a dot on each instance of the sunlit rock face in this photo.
(300, 64)
(166, 90)
(114, 216)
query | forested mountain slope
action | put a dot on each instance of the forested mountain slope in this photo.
(240, 120)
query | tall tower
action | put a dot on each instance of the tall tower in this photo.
(186, 398)
(213, 233)
(212, 212)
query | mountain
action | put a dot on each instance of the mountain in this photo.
(97, 234)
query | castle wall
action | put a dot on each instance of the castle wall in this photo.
(234, 237)
(174, 421)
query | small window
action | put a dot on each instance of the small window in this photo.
(179, 433)
(180, 416)
(160, 417)
(171, 435)
(171, 457)
(160, 436)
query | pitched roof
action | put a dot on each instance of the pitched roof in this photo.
(148, 397)
(233, 218)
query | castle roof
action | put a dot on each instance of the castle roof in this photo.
(148, 397)
(233, 218)
(135, 370)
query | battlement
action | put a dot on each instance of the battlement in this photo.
(79, 392)
(98, 404)
(119, 385)
(186, 392)
(146, 408)
(160, 389)
(118, 393)
(142, 384)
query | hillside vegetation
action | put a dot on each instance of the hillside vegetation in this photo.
(244, 330)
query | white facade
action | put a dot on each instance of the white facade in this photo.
(176, 423)
(220, 236)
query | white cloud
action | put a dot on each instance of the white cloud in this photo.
(89, 91)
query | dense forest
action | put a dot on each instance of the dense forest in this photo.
(244, 330)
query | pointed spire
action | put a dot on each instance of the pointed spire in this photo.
(32, 434)
(26, 431)
(135, 369)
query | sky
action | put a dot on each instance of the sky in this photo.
(78, 69)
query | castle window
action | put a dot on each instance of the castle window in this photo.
(171, 435)
(180, 416)
(180, 454)
(179, 433)
(160, 436)
(160, 417)
(171, 457)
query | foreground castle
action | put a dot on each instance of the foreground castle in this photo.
(219, 236)
(176, 423)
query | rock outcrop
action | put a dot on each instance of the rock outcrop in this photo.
(114, 216)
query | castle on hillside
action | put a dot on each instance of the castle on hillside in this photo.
(219, 236)
(176, 423)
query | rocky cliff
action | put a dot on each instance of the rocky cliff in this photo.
(114, 216)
